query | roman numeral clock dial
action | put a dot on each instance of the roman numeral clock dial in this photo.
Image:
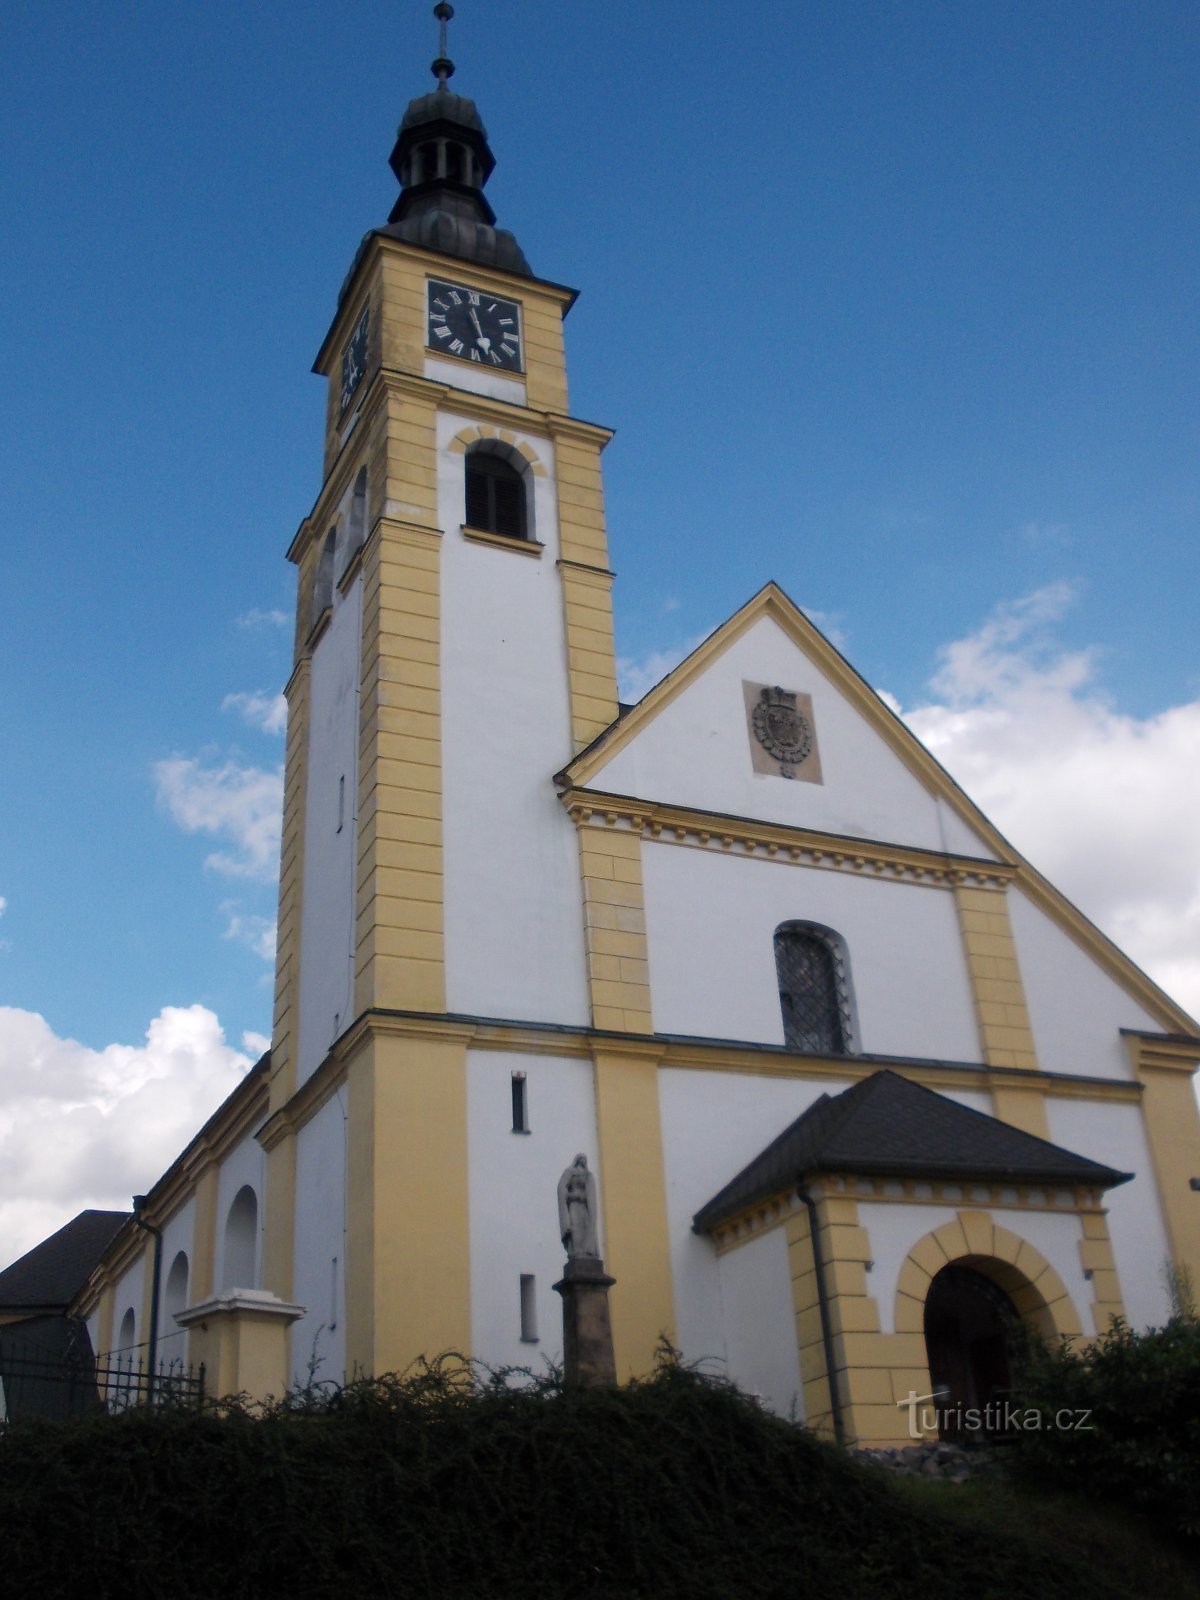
(474, 326)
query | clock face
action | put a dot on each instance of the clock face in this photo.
(354, 358)
(474, 326)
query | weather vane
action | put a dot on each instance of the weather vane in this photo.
(443, 67)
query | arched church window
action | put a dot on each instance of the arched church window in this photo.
(814, 997)
(175, 1298)
(323, 582)
(128, 1331)
(240, 1267)
(357, 531)
(496, 496)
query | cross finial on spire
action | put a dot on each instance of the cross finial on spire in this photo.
(443, 67)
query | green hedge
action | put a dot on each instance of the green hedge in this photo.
(1139, 1444)
(448, 1484)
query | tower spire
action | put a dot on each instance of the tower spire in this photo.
(443, 160)
(443, 67)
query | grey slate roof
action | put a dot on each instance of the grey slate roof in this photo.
(886, 1126)
(48, 1277)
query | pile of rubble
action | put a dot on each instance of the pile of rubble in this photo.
(935, 1459)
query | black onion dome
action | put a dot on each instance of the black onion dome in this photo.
(441, 104)
(442, 160)
(463, 237)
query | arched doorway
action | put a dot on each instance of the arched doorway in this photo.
(970, 1326)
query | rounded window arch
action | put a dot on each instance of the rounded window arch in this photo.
(176, 1293)
(322, 596)
(814, 989)
(356, 529)
(497, 491)
(128, 1333)
(240, 1268)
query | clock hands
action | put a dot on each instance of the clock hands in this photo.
(483, 339)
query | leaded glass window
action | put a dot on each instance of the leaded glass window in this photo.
(813, 995)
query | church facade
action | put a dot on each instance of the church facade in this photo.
(859, 1087)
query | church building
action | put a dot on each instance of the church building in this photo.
(859, 1088)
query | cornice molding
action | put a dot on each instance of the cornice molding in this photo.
(1160, 1052)
(750, 1224)
(749, 837)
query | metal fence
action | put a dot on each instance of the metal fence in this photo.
(75, 1384)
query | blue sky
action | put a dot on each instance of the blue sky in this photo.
(894, 304)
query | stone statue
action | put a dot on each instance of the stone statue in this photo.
(577, 1210)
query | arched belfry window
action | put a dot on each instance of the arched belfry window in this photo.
(322, 597)
(356, 532)
(814, 994)
(496, 498)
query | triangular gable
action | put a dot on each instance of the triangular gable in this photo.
(589, 771)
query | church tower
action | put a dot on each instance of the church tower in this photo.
(453, 650)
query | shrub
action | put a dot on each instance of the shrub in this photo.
(1140, 1441)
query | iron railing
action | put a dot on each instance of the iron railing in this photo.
(76, 1384)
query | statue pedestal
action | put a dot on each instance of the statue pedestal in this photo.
(587, 1332)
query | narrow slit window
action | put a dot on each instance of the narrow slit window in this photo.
(520, 1103)
(529, 1331)
(333, 1293)
(341, 802)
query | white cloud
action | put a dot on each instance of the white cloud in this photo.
(637, 675)
(267, 712)
(254, 618)
(1102, 802)
(256, 1043)
(257, 933)
(82, 1127)
(241, 805)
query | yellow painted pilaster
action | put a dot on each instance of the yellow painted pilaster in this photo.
(615, 927)
(291, 876)
(399, 898)
(636, 1239)
(408, 1255)
(1165, 1068)
(279, 1223)
(104, 1319)
(204, 1235)
(818, 1412)
(586, 579)
(991, 951)
(1100, 1267)
(1022, 1107)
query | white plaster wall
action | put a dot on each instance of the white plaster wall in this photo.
(246, 1163)
(514, 922)
(711, 922)
(327, 906)
(1115, 1135)
(1075, 1009)
(713, 1124)
(894, 1230)
(128, 1292)
(319, 1281)
(513, 1195)
(697, 752)
(760, 1322)
(477, 380)
(179, 1233)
